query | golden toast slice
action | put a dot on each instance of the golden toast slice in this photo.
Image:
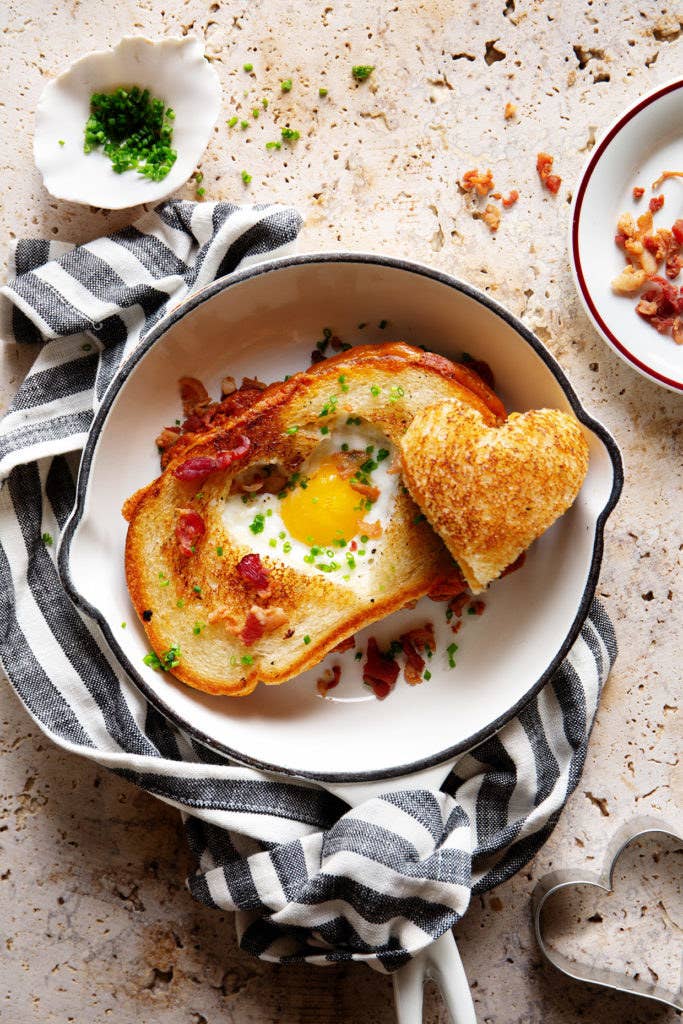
(286, 528)
(489, 491)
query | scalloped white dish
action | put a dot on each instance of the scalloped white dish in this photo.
(644, 141)
(174, 70)
(264, 321)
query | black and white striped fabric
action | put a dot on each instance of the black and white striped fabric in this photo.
(308, 878)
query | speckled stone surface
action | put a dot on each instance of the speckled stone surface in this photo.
(95, 922)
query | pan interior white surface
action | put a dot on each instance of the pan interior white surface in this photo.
(267, 326)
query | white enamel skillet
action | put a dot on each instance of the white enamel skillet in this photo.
(265, 321)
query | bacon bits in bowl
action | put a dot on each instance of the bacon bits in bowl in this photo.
(288, 539)
(126, 125)
(626, 240)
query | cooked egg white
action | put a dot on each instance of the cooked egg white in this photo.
(317, 527)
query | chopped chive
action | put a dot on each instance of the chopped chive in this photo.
(286, 86)
(382, 324)
(247, 659)
(382, 454)
(200, 193)
(450, 651)
(324, 430)
(292, 430)
(86, 347)
(198, 627)
(60, 142)
(246, 177)
(272, 543)
(255, 113)
(152, 660)
(427, 675)
(244, 125)
(273, 145)
(363, 539)
(286, 547)
(358, 655)
(264, 103)
(163, 580)
(307, 639)
(233, 121)
(322, 92)
(362, 71)
(282, 534)
(309, 559)
(258, 523)
(342, 383)
(180, 603)
(375, 390)
(219, 551)
(290, 134)
(345, 447)
(123, 625)
(247, 67)
(47, 539)
(197, 589)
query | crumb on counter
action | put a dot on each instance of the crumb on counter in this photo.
(510, 111)
(491, 217)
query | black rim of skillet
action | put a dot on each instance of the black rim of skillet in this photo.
(271, 266)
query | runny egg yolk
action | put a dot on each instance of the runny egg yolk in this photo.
(326, 510)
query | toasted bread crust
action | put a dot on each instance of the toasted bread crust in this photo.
(489, 492)
(160, 577)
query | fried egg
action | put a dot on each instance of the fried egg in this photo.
(321, 522)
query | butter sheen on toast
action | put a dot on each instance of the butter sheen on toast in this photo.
(200, 601)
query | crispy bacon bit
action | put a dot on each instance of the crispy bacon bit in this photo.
(380, 671)
(457, 604)
(449, 585)
(353, 546)
(345, 645)
(677, 230)
(415, 663)
(422, 636)
(510, 111)
(193, 395)
(629, 280)
(330, 678)
(347, 463)
(491, 217)
(511, 199)
(638, 192)
(514, 566)
(252, 630)
(259, 622)
(201, 466)
(656, 203)
(664, 176)
(253, 572)
(662, 307)
(167, 438)
(476, 181)
(477, 608)
(189, 530)
(368, 491)
(228, 386)
(371, 530)
(254, 383)
(456, 626)
(544, 165)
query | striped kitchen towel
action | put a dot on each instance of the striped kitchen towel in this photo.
(308, 878)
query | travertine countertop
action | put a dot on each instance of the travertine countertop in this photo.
(95, 922)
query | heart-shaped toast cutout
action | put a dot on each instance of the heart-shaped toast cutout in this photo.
(489, 492)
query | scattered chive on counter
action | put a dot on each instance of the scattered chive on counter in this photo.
(248, 67)
(246, 177)
(233, 121)
(286, 85)
(362, 71)
(322, 92)
(290, 134)
(135, 130)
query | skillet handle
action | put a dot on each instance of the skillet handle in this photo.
(441, 963)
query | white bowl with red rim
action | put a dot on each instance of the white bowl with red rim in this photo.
(642, 142)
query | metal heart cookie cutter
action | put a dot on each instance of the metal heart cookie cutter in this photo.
(549, 885)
